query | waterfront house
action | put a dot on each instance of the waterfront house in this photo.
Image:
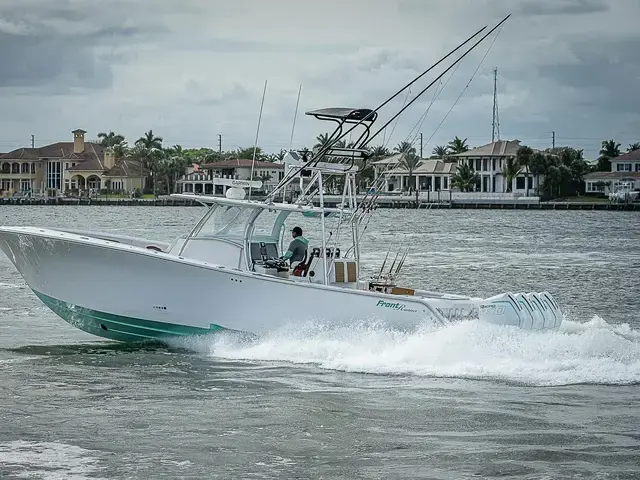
(435, 174)
(429, 175)
(201, 178)
(67, 167)
(489, 160)
(625, 170)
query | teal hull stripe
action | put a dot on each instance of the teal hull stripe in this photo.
(118, 327)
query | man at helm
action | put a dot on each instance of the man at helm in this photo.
(297, 248)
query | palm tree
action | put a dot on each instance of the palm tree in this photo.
(379, 152)
(440, 151)
(322, 141)
(149, 151)
(465, 178)
(410, 162)
(405, 147)
(523, 158)
(510, 171)
(110, 139)
(633, 147)
(610, 149)
(150, 141)
(458, 145)
(120, 150)
(538, 166)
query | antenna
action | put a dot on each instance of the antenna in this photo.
(255, 145)
(294, 118)
(495, 126)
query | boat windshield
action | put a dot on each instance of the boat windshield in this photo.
(225, 221)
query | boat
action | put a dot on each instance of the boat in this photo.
(625, 193)
(228, 272)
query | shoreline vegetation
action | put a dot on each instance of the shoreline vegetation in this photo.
(560, 170)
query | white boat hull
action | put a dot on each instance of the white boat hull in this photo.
(129, 293)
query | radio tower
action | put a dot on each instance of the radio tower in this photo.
(495, 129)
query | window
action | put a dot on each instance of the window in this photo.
(530, 183)
(485, 164)
(520, 185)
(478, 164)
(493, 164)
(624, 167)
(637, 167)
(54, 170)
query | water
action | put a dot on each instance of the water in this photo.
(465, 401)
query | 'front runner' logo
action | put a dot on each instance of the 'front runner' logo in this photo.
(395, 306)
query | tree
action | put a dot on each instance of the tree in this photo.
(150, 141)
(322, 141)
(465, 178)
(247, 153)
(538, 166)
(523, 157)
(563, 168)
(510, 171)
(458, 145)
(610, 149)
(633, 147)
(379, 152)
(410, 162)
(110, 139)
(440, 151)
(405, 147)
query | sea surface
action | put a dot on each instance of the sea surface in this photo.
(468, 400)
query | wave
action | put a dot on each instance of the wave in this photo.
(592, 352)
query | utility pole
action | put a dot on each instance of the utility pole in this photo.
(421, 145)
(553, 139)
(220, 143)
(495, 126)
(33, 141)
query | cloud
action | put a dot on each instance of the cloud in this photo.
(196, 69)
(564, 7)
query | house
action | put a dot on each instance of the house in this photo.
(62, 167)
(625, 170)
(489, 160)
(200, 179)
(435, 174)
(430, 175)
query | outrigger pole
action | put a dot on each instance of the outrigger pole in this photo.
(364, 204)
(327, 147)
(434, 81)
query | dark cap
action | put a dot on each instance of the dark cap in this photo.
(297, 231)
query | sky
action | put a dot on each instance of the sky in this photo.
(196, 69)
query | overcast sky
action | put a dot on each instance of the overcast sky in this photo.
(193, 69)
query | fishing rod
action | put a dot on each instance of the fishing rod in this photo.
(364, 144)
(418, 96)
(327, 147)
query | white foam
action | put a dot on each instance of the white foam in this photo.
(592, 352)
(50, 460)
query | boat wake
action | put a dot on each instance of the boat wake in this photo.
(594, 352)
